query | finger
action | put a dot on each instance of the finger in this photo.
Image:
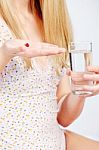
(48, 44)
(77, 76)
(49, 48)
(42, 45)
(93, 69)
(81, 83)
(91, 88)
(93, 77)
(68, 72)
(45, 44)
(94, 93)
(51, 51)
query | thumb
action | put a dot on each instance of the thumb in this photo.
(68, 72)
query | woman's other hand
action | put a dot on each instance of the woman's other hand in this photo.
(86, 78)
(25, 48)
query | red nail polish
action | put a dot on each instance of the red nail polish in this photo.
(27, 45)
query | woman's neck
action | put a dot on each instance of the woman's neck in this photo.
(22, 6)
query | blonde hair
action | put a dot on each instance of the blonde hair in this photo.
(56, 24)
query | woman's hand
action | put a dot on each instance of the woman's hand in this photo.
(24, 48)
(88, 81)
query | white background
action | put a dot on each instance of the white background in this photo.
(85, 20)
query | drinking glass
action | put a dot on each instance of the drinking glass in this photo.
(80, 54)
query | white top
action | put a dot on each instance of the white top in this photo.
(28, 105)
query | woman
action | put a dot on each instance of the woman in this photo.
(31, 86)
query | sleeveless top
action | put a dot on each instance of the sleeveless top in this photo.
(28, 105)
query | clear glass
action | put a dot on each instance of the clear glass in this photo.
(80, 54)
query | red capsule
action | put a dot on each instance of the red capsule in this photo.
(27, 45)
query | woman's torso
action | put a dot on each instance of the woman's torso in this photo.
(28, 106)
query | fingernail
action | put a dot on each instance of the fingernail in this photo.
(27, 45)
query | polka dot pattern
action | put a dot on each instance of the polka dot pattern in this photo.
(28, 106)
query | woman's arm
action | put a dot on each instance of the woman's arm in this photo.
(72, 104)
(26, 48)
